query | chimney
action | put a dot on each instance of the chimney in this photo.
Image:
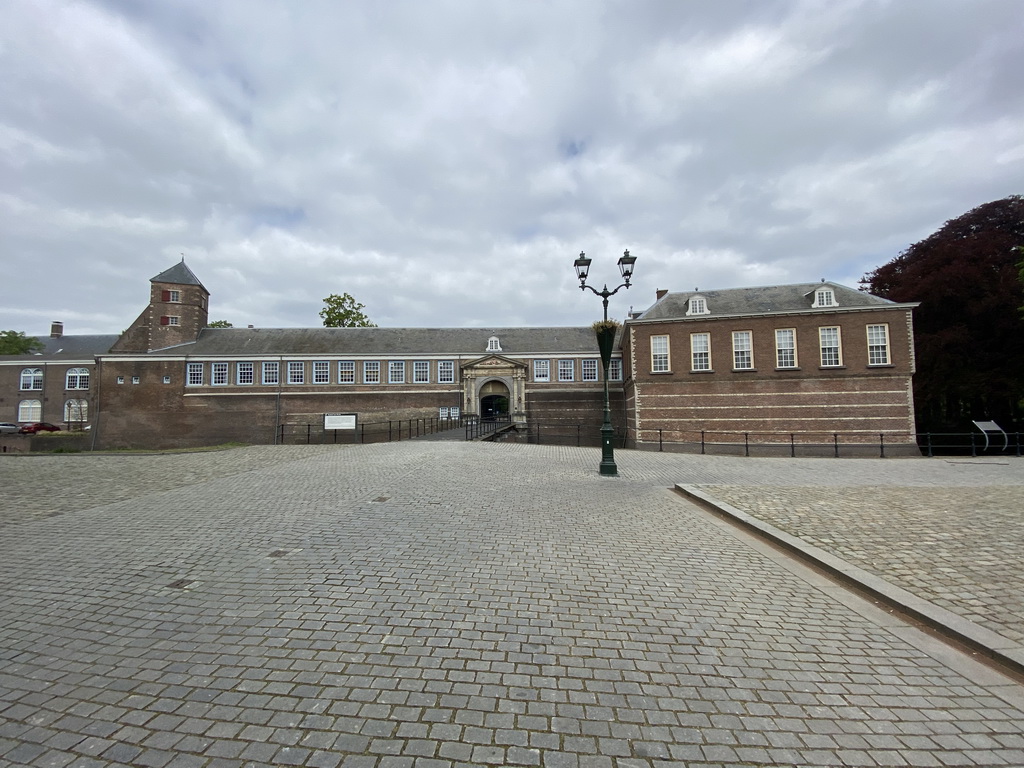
(661, 292)
(56, 329)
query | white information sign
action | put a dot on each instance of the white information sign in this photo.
(339, 421)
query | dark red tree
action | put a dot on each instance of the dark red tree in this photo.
(968, 331)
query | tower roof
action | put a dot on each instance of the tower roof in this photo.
(179, 274)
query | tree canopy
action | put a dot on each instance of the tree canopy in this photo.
(969, 332)
(17, 343)
(343, 311)
(220, 324)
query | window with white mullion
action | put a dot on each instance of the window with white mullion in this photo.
(659, 354)
(272, 373)
(566, 370)
(219, 374)
(742, 350)
(296, 372)
(346, 372)
(590, 370)
(421, 372)
(831, 350)
(321, 372)
(541, 370)
(785, 348)
(31, 378)
(371, 372)
(446, 372)
(878, 344)
(77, 378)
(615, 369)
(194, 374)
(244, 373)
(396, 372)
(700, 351)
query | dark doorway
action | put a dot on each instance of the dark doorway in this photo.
(493, 407)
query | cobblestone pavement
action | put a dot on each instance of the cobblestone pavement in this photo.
(420, 605)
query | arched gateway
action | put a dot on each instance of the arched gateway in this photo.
(494, 387)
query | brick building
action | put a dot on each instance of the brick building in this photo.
(811, 361)
(807, 359)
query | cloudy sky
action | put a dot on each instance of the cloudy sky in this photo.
(446, 161)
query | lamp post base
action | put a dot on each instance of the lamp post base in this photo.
(607, 451)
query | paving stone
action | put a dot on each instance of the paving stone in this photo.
(504, 605)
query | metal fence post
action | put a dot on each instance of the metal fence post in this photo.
(792, 446)
(746, 443)
(881, 445)
(835, 442)
(702, 442)
(928, 442)
(661, 445)
(974, 448)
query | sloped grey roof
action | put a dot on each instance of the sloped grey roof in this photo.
(390, 341)
(763, 300)
(69, 348)
(179, 274)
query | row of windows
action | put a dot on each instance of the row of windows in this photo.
(830, 349)
(74, 410)
(823, 297)
(75, 378)
(373, 371)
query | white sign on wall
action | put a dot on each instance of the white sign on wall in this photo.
(339, 421)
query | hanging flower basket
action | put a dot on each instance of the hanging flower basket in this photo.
(605, 331)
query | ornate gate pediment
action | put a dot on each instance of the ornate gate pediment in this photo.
(512, 373)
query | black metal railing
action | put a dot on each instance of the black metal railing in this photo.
(835, 444)
(480, 428)
(392, 430)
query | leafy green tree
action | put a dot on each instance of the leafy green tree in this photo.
(220, 324)
(343, 311)
(969, 333)
(17, 343)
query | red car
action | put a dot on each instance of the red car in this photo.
(39, 426)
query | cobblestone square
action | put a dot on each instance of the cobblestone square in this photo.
(431, 604)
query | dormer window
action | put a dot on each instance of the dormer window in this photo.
(698, 306)
(825, 297)
(493, 345)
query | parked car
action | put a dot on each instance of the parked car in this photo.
(6, 428)
(39, 426)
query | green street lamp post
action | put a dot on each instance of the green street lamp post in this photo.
(605, 338)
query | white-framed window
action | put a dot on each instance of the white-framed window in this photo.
(30, 410)
(120, 379)
(76, 409)
(878, 344)
(742, 350)
(296, 372)
(244, 373)
(442, 412)
(219, 374)
(825, 297)
(698, 306)
(371, 372)
(785, 347)
(700, 351)
(396, 372)
(589, 372)
(831, 347)
(446, 372)
(167, 379)
(77, 378)
(346, 372)
(421, 372)
(173, 320)
(454, 411)
(659, 354)
(175, 298)
(493, 345)
(542, 370)
(271, 373)
(615, 369)
(193, 375)
(31, 378)
(566, 370)
(136, 379)
(321, 372)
